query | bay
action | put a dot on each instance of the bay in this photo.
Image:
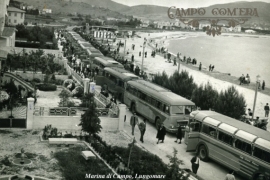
(234, 54)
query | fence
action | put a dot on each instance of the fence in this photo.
(12, 123)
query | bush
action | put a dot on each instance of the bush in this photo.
(47, 87)
(57, 82)
(36, 80)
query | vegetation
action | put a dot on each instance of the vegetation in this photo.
(230, 102)
(71, 158)
(65, 99)
(46, 87)
(36, 36)
(90, 121)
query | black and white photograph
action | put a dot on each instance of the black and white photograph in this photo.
(134, 90)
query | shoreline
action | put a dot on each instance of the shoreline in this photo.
(215, 74)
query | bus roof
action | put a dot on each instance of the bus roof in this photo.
(121, 73)
(160, 93)
(200, 115)
(108, 63)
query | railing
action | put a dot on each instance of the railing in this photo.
(55, 111)
(101, 99)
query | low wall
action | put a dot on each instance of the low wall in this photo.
(71, 122)
(29, 75)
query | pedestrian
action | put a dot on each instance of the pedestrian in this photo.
(142, 128)
(161, 133)
(179, 134)
(132, 58)
(230, 176)
(266, 109)
(263, 85)
(195, 162)
(213, 68)
(174, 61)
(145, 54)
(210, 67)
(133, 122)
(140, 53)
(250, 113)
(200, 66)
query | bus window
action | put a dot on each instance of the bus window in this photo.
(177, 110)
(228, 139)
(209, 131)
(159, 105)
(154, 102)
(188, 109)
(243, 146)
(262, 154)
(121, 83)
(195, 126)
(166, 108)
(148, 99)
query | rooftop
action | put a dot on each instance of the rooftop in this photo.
(13, 9)
(8, 31)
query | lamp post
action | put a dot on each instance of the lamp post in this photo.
(144, 44)
(125, 46)
(255, 98)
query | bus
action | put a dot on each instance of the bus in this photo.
(116, 78)
(158, 105)
(103, 62)
(236, 145)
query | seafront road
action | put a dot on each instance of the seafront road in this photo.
(208, 170)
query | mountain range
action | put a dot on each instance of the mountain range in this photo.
(153, 12)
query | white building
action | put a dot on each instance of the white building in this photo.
(47, 11)
(15, 16)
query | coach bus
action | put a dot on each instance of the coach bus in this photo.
(116, 78)
(158, 105)
(237, 145)
(103, 62)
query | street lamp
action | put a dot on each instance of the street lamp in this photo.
(125, 46)
(144, 44)
(255, 98)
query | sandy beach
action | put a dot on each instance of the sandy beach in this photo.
(159, 64)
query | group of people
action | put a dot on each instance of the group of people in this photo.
(161, 132)
(211, 67)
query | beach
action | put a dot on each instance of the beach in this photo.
(218, 80)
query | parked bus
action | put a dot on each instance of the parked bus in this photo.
(237, 145)
(115, 78)
(103, 62)
(158, 105)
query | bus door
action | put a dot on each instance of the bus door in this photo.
(192, 135)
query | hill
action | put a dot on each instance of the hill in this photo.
(66, 7)
(104, 3)
(160, 12)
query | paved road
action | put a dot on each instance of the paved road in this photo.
(207, 170)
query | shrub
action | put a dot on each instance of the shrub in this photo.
(57, 82)
(47, 87)
(36, 80)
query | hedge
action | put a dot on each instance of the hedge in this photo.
(47, 87)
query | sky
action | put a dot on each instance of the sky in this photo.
(179, 3)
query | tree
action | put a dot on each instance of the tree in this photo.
(231, 103)
(90, 121)
(64, 98)
(205, 97)
(173, 166)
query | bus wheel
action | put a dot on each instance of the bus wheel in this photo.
(203, 153)
(158, 122)
(133, 109)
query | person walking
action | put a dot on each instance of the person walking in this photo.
(266, 109)
(179, 134)
(230, 176)
(161, 133)
(250, 113)
(195, 163)
(133, 122)
(142, 128)
(210, 67)
(263, 85)
(200, 66)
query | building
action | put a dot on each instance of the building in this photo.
(231, 29)
(8, 35)
(15, 16)
(47, 11)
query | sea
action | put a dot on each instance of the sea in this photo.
(231, 54)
